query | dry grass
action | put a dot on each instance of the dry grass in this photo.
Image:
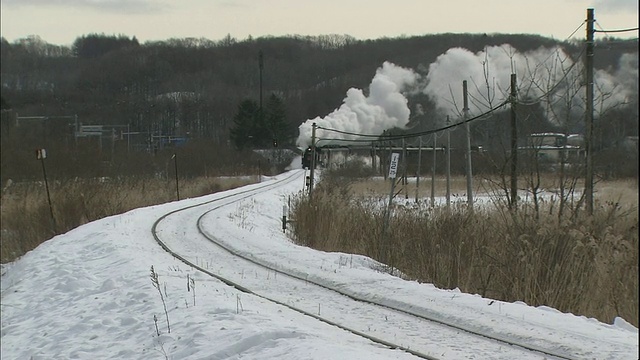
(458, 186)
(582, 264)
(26, 219)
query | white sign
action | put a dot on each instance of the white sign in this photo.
(41, 154)
(393, 167)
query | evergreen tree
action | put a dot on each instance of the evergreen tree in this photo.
(244, 124)
(261, 129)
(276, 121)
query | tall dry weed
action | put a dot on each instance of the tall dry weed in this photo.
(26, 218)
(582, 264)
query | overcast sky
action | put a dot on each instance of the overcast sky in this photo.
(62, 21)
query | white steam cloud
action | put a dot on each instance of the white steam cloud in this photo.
(547, 75)
(384, 108)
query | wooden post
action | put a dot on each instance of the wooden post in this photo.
(433, 173)
(418, 170)
(448, 165)
(465, 111)
(513, 204)
(313, 160)
(588, 182)
(41, 154)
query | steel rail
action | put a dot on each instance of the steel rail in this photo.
(250, 192)
(243, 195)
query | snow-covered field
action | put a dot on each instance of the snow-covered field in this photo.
(87, 294)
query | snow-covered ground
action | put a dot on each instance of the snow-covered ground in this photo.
(87, 294)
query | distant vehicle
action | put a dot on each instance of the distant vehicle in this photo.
(556, 148)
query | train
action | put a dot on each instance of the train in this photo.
(337, 156)
(547, 148)
(307, 156)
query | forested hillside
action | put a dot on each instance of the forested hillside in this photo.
(192, 88)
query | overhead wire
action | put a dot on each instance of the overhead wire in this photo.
(382, 137)
(614, 30)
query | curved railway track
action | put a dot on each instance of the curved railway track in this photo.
(428, 336)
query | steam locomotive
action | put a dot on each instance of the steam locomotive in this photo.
(307, 156)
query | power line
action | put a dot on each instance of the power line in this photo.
(410, 135)
(615, 30)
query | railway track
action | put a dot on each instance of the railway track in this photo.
(396, 328)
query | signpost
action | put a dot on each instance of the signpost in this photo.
(175, 163)
(41, 154)
(393, 170)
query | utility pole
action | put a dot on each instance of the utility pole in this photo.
(313, 160)
(128, 139)
(261, 66)
(588, 181)
(418, 170)
(513, 204)
(393, 169)
(448, 165)
(465, 111)
(261, 120)
(404, 169)
(373, 157)
(433, 173)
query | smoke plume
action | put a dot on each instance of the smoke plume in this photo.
(546, 76)
(384, 108)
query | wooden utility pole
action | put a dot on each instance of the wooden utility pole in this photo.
(433, 172)
(404, 169)
(448, 164)
(373, 157)
(313, 159)
(513, 204)
(418, 170)
(394, 158)
(465, 111)
(260, 66)
(588, 181)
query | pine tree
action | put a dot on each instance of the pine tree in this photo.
(261, 129)
(245, 124)
(276, 120)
